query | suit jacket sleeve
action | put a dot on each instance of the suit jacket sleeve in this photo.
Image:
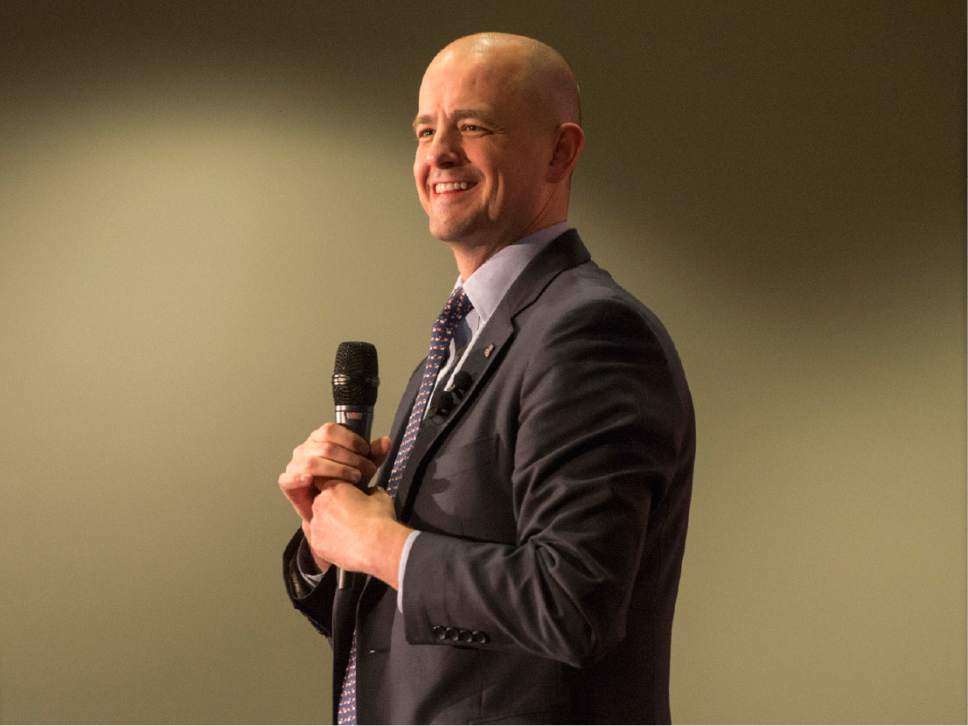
(316, 603)
(601, 424)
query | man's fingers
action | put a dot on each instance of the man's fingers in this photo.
(293, 481)
(300, 492)
(331, 461)
(379, 448)
(331, 454)
(325, 469)
(333, 432)
(339, 455)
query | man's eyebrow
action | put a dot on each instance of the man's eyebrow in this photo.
(459, 114)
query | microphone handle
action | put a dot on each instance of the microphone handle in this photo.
(359, 420)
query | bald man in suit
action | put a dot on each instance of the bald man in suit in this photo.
(526, 566)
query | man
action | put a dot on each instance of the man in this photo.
(523, 567)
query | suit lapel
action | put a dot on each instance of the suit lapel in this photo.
(493, 339)
(486, 355)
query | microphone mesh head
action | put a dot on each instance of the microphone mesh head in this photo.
(355, 374)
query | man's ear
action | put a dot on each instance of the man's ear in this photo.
(569, 141)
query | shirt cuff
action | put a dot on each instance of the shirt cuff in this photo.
(306, 566)
(404, 556)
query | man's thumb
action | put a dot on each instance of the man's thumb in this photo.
(379, 448)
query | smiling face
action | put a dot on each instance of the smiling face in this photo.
(483, 151)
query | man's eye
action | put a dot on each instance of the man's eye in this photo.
(473, 128)
(425, 133)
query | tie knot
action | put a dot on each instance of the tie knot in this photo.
(457, 306)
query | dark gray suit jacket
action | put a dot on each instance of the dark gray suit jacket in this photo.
(553, 501)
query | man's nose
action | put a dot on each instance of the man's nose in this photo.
(445, 149)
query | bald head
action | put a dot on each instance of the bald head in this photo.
(531, 68)
(497, 141)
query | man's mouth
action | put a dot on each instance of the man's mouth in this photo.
(450, 187)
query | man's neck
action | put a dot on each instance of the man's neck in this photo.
(469, 257)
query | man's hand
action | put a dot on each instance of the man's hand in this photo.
(331, 453)
(357, 531)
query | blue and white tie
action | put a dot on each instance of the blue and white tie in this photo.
(458, 305)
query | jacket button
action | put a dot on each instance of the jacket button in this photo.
(450, 633)
(439, 632)
(464, 635)
(480, 638)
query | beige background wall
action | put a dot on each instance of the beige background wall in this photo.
(198, 202)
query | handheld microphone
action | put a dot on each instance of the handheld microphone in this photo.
(355, 381)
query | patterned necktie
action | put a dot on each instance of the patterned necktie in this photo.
(458, 305)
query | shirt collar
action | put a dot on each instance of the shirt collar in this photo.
(487, 285)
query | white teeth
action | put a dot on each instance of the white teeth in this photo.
(450, 187)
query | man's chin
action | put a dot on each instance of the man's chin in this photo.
(453, 233)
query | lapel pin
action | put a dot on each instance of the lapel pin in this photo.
(488, 350)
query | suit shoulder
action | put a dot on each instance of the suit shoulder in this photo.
(585, 305)
(587, 294)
